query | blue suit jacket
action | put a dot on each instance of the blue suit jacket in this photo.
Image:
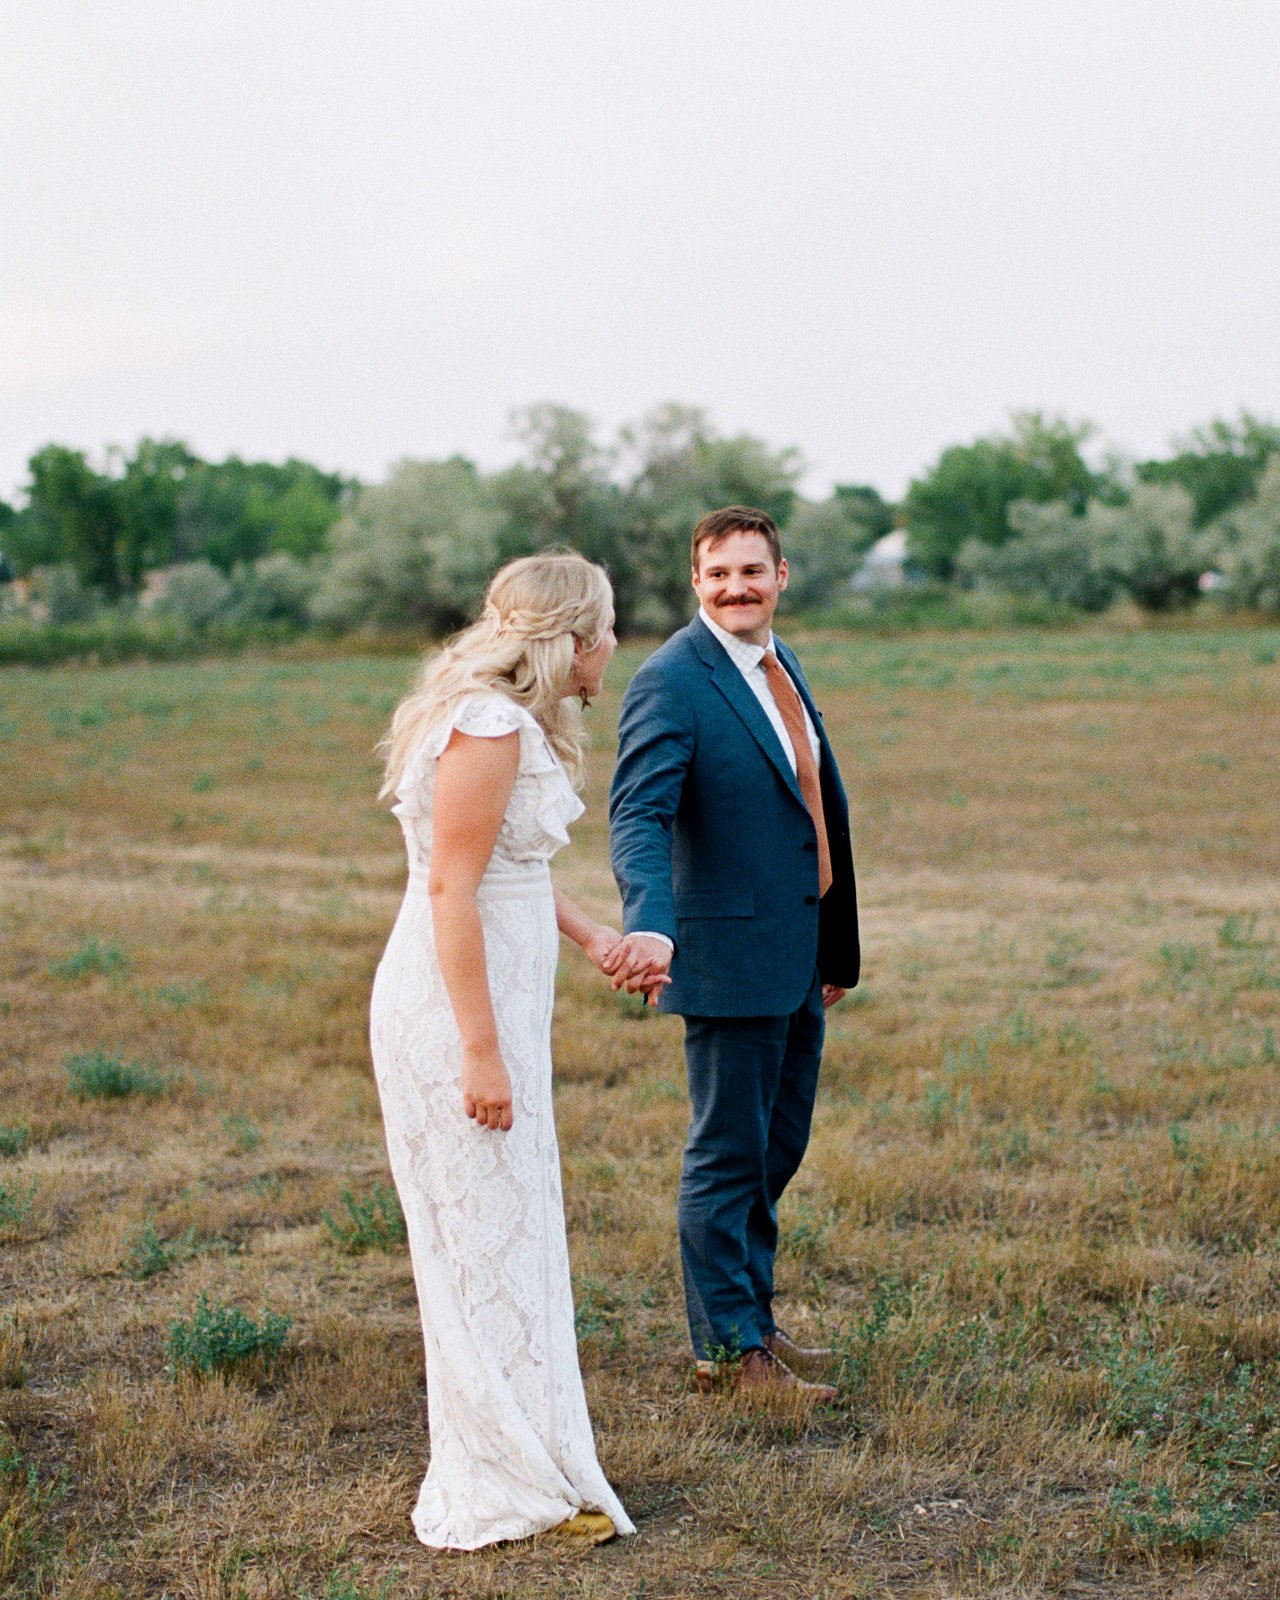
(713, 845)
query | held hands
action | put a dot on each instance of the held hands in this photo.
(613, 955)
(486, 1089)
(639, 964)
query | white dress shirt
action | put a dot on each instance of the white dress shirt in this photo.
(747, 658)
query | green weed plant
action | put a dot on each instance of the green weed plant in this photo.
(14, 1138)
(371, 1222)
(90, 956)
(148, 1254)
(15, 1203)
(221, 1338)
(95, 1075)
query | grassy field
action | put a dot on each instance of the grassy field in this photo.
(1040, 1214)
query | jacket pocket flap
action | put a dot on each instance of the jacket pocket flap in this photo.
(728, 904)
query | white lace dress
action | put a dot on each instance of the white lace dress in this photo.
(511, 1446)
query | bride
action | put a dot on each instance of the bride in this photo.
(483, 757)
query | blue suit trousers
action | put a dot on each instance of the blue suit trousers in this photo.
(752, 1086)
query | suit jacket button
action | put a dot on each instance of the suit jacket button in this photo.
(811, 899)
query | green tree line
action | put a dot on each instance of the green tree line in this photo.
(1024, 511)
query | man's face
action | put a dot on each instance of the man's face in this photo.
(738, 584)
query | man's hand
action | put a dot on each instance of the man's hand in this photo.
(831, 992)
(639, 963)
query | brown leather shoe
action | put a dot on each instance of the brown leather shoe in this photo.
(806, 1361)
(758, 1369)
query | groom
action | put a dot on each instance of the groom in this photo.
(730, 843)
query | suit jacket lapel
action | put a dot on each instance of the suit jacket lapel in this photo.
(733, 686)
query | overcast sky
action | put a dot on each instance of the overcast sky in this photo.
(869, 228)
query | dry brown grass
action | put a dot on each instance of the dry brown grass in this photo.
(1039, 1213)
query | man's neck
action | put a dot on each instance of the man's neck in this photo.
(723, 634)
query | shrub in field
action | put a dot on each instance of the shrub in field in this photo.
(1227, 1434)
(1151, 545)
(180, 995)
(63, 595)
(823, 552)
(1051, 554)
(417, 549)
(373, 1222)
(89, 956)
(126, 636)
(98, 1076)
(149, 1254)
(278, 588)
(196, 595)
(221, 1338)
(244, 1132)
(346, 1585)
(14, 1138)
(15, 1203)
(862, 1348)
(29, 1542)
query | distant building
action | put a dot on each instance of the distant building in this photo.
(885, 565)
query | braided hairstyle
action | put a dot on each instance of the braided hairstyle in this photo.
(521, 646)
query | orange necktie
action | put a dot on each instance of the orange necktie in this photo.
(790, 709)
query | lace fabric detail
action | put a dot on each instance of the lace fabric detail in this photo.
(511, 1447)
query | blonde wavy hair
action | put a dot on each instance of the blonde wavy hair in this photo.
(522, 646)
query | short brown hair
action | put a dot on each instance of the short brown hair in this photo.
(717, 525)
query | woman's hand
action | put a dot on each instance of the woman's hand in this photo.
(486, 1089)
(599, 945)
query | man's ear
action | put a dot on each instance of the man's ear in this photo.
(782, 573)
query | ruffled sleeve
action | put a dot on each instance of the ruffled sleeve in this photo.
(543, 803)
(485, 715)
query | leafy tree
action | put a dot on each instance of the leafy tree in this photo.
(562, 494)
(8, 516)
(73, 516)
(681, 470)
(146, 488)
(823, 546)
(1151, 545)
(279, 588)
(1053, 553)
(417, 550)
(967, 494)
(1220, 465)
(1250, 551)
(866, 508)
(237, 511)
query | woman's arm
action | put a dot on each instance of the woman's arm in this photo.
(602, 944)
(474, 779)
(594, 937)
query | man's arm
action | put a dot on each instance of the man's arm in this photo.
(655, 746)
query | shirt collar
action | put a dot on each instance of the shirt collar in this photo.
(747, 655)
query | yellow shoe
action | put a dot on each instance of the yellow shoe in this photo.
(584, 1528)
